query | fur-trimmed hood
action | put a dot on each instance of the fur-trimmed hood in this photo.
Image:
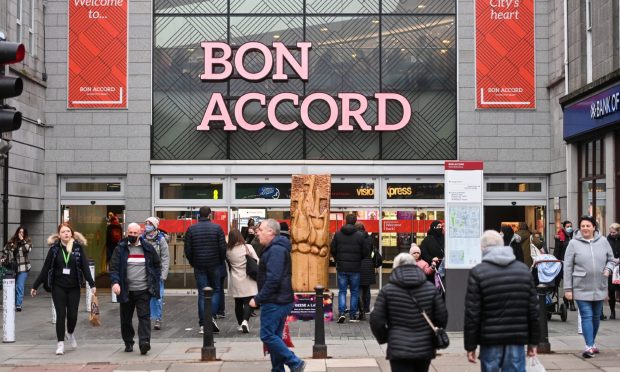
(52, 239)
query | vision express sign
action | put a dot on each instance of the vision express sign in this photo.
(347, 109)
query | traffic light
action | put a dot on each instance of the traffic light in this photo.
(10, 119)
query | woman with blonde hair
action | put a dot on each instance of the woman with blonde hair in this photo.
(242, 287)
(63, 272)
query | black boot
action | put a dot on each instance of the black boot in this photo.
(613, 314)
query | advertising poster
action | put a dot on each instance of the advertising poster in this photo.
(304, 307)
(463, 224)
(97, 54)
(505, 68)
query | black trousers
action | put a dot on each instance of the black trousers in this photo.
(365, 300)
(611, 292)
(243, 311)
(140, 301)
(66, 303)
(410, 365)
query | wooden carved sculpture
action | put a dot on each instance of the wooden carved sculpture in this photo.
(310, 231)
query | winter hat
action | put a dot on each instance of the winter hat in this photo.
(154, 221)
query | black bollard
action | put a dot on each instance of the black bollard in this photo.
(544, 347)
(319, 349)
(208, 348)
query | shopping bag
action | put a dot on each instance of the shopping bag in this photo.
(534, 365)
(615, 278)
(93, 316)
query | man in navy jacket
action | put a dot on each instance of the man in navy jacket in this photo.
(275, 295)
(205, 249)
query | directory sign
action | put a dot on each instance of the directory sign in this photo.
(464, 213)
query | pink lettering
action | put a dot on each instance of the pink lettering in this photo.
(356, 115)
(216, 101)
(333, 111)
(283, 53)
(273, 108)
(211, 61)
(382, 124)
(239, 111)
(266, 55)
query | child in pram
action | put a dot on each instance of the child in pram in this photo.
(546, 271)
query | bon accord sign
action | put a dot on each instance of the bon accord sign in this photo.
(220, 65)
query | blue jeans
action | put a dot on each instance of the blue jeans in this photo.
(505, 358)
(208, 278)
(590, 319)
(350, 280)
(272, 319)
(20, 282)
(157, 305)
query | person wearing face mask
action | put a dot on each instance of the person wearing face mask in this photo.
(15, 254)
(614, 241)
(433, 246)
(135, 273)
(63, 272)
(159, 241)
(562, 238)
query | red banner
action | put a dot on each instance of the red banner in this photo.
(97, 54)
(505, 71)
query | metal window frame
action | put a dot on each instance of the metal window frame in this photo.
(97, 195)
(196, 203)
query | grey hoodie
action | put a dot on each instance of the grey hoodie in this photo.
(584, 264)
(498, 255)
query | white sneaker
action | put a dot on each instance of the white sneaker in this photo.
(202, 330)
(239, 329)
(60, 349)
(72, 340)
(245, 326)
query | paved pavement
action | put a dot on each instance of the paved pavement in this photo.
(176, 347)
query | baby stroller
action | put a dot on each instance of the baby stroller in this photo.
(546, 272)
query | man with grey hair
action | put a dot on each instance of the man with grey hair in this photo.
(135, 272)
(501, 308)
(275, 295)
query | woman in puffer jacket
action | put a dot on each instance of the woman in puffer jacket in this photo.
(409, 337)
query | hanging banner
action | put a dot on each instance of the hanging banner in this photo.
(464, 213)
(97, 54)
(505, 69)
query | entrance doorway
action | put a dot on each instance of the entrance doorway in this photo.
(532, 215)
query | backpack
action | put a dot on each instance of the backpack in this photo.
(377, 260)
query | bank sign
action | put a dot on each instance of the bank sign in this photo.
(345, 111)
(594, 112)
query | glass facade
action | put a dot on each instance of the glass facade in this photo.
(398, 46)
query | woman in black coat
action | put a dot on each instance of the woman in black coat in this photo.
(367, 276)
(433, 246)
(513, 241)
(395, 318)
(614, 240)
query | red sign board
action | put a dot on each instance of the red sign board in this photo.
(97, 54)
(463, 165)
(505, 71)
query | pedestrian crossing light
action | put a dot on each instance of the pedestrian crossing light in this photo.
(10, 118)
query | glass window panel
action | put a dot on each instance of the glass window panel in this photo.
(589, 159)
(190, 7)
(266, 6)
(419, 6)
(598, 160)
(340, 6)
(586, 198)
(266, 30)
(601, 199)
(212, 191)
(345, 54)
(93, 187)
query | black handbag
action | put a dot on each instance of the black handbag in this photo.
(251, 265)
(441, 340)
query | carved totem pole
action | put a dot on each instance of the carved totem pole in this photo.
(310, 196)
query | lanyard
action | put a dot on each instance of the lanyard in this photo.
(66, 257)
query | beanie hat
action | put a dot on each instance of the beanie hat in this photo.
(154, 221)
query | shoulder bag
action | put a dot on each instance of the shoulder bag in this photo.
(251, 265)
(441, 340)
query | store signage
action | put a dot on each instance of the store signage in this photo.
(415, 190)
(353, 191)
(592, 113)
(97, 54)
(400, 191)
(505, 70)
(220, 65)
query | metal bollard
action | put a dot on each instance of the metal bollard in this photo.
(208, 348)
(89, 294)
(544, 347)
(319, 349)
(8, 305)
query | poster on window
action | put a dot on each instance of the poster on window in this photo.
(97, 54)
(505, 58)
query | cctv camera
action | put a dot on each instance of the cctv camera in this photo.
(92, 202)
(513, 203)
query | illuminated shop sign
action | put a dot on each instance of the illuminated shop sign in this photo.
(262, 191)
(353, 191)
(415, 191)
(220, 65)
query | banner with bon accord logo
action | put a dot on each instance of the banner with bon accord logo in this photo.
(97, 54)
